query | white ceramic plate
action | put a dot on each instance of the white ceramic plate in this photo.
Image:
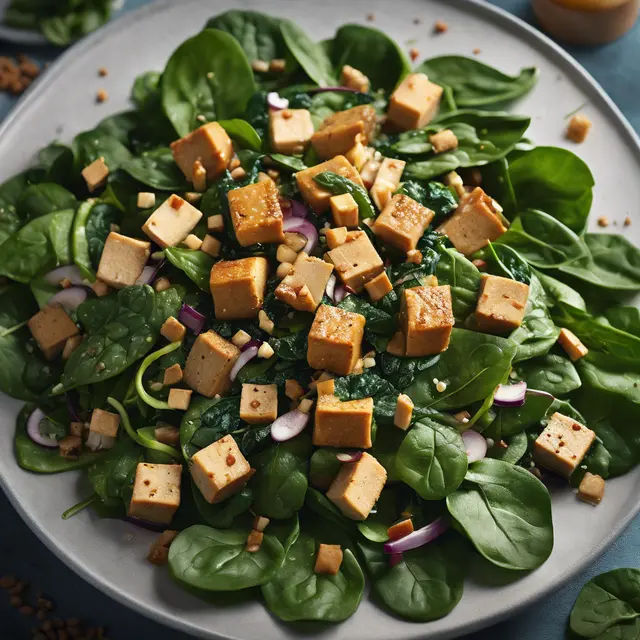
(111, 554)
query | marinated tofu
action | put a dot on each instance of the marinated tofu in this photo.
(95, 175)
(329, 559)
(414, 103)
(173, 330)
(256, 213)
(344, 210)
(104, 423)
(339, 132)
(305, 284)
(52, 327)
(379, 287)
(353, 78)
(238, 287)
(591, 489)
(220, 470)
(259, 403)
(171, 222)
(443, 141)
(501, 304)
(474, 223)
(579, 127)
(156, 492)
(172, 375)
(290, 130)
(335, 340)
(179, 399)
(209, 364)
(387, 181)
(356, 261)
(426, 318)
(343, 424)
(402, 222)
(404, 412)
(572, 345)
(336, 236)
(358, 486)
(122, 260)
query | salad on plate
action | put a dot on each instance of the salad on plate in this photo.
(320, 318)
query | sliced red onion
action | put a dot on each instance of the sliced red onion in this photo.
(418, 538)
(98, 442)
(475, 445)
(349, 457)
(276, 102)
(245, 357)
(150, 272)
(299, 210)
(71, 406)
(304, 227)
(33, 430)
(537, 392)
(70, 298)
(287, 209)
(394, 559)
(145, 524)
(252, 343)
(409, 276)
(289, 425)
(331, 286)
(191, 318)
(340, 293)
(70, 272)
(510, 395)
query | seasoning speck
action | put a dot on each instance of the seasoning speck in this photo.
(476, 52)
(440, 26)
(413, 54)
(627, 221)
(371, 17)
(103, 72)
(102, 96)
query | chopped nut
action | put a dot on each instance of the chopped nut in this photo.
(367, 363)
(260, 523)
(476, 52)
(240, 338)
(579, 127)
(211, 246)
(161, 284)
(462, 416)
(305, 405)
(286, 254)
(265, 323)
(277, 65)
(238, 173)
(146, 200)
(103, 72)
(414, 256)
(627, 221)
(265, 351)
(293, 389)
(260, 66)
(254, 541)
(283, 270)
(102, 95)
(603, 221)
(440, 26)
(215, 223)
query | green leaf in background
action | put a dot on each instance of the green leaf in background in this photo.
(91, 145)
(464, 279)
(552, 373)
(157, 169)
(39, 199)
(243, 133)
(310, 55)
(196, 264)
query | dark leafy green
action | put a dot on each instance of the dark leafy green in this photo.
(338, 185)
(196, 264)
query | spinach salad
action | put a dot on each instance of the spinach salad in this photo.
(320, 318)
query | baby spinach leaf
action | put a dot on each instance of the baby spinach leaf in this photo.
(496, 181)
(475, 84)
(433, 195)
(207, 75)
(373, 53)
(464, 279)
(56, 161)
(323, 467)
(191, 422)
(552, 373)
(74, 21)
(512, 420)
(196, 264)
(321, 506)
(98, 228)
(506, 513)
(91, 145)
(243, 133)
(296, 592)
(517, 446)
(503, 261)
(39, 199)
(217, 421)
(385, 512)
(79, 242)
(292, 347)
(289, 163)
(157, 169)
(146, 88)
(625, 318)
(558, 291)
(432, 460)
(378, 322)
(338, 185)
(222, 514)
(10, 191)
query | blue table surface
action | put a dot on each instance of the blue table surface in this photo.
(22, 554)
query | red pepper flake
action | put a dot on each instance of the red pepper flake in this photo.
(230, 460)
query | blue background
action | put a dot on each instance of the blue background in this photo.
(615, 67)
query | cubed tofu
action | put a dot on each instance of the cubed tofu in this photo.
(290, 130)
(215, 223)
(426, 318)
(402, 222)
(378, 287)
(76, 428)
(220, 470)
(211, 246)
(313, 194)
(256, 213)
(344, 210)
(209, 363)
(501, 304)
(340, 131)
(563, 444)
(353, 78)
(173, 330)
(358, 486)
(404, 412)
(305, 284)
(254, 541)
(179, 399)
(474, 223)
(329, 559)
(210, 145)
(400, 529)
(336, 237)
(326, 387)
(359, 155)
(293, 389)
(414, 103)
(172, 375)
(356, 261)
(96, 174)
(369, 172)
(591, 489)
(572, 345)
(387, 181)
(397, 345)
(259, 403)
(156, 492)
(343, 424)
(159, 550)
(579, 127)
(167, 434)
(238, 287)
(70, 447)
(122, 260)
(52, 327)
(104, 423)
(335, 340)
(192, 242)
(171, 222)
(146, 200)
(443, 141)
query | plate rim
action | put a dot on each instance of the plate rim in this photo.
(158, 613)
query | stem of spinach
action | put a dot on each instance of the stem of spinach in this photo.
(146, 363)
(10, 330)
(147, 443)
(77, 508)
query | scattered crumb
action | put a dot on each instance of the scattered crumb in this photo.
(103, 72)
(371, 17)
(627, 221)
(440, 26)
(413, 54)
(417, 21)
(102, 95)
(603, 221)
(17, 76)
(579, 127)
(476, 52)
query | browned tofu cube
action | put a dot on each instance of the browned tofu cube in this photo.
(290, 130)
(70, 447)
(340, 131)
(336, 237)
(210, 145)
(159, 551)
(400, 529)
(378, 287)
(313, 194)
(122, 260)
(591, 489)
(404, 412)
(238, 287)
(156, 492)
(167, 434)
(353, 78)
(402, 222)
(220, 470)
(387, 181)
(303, 287)
(563, 445)
(356, 261)
(259, 403)
(171, 222)
(573, 346)
(209, 363)
(579, 127)
(104, 423)
(474, 224)
(329, 559)
(52, 327)
(426, 317)
(344, 210)
(501, 304)
(335, 340)
(172, 375)
(358, 486)
(96, 174)
(173, 330)
(359, 155)
(443, 141)
(414, 103)
(326, 387)
(179, 399)
(256, 213)
(343, 424)
(254, 541)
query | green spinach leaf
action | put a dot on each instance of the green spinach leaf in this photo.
(196, 264)
(311, 56)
